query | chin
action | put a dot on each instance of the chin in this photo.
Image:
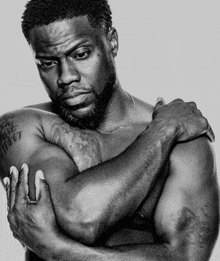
(89, 116)
(82, 112)
(84, 118)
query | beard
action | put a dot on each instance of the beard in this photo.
(93, 120)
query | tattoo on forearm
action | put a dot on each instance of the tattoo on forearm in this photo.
(198, 232)
(9, 132)
(81, 146)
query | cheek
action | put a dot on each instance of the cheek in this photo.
(98, 71)
(50, 83)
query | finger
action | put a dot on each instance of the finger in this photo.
(13, 186)
(18, 238)
(177, 100)
(15, 236)
(6, 182)
(159, 102)
(193, 104)
(37, 183)
(210, 134)
(22, 185)
(43, 189)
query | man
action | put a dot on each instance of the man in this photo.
(118, 186)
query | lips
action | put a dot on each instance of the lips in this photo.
(70, 95)
(77, 98)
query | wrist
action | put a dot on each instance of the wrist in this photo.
(164, 130)
(61, 247)
(48, 247)
(66, 248)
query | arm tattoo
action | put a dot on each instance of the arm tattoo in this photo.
(9, 132)
(198, 232)
(82, 147)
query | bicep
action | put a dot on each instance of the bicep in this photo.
(187, 215)
(23, 141)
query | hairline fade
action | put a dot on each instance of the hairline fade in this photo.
(43, 12)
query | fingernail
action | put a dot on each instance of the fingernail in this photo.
(24, 167)
(37, 185)
(6, 181)
(159, 99)
(40, 174)
(11, 169)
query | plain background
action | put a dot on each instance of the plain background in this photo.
(167, 48)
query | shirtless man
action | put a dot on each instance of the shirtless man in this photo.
(123, 180)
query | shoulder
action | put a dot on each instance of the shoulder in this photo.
(20, 115)
(16, 128)
(30, 116)
(21, 133)
(46, 106)
(25, 119)
(143, 111)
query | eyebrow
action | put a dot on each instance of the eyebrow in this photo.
(45, 57)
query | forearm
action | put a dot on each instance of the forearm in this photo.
(112, 190)
(73, 251)
(126, 253)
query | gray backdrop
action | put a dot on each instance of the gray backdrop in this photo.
(167, 48)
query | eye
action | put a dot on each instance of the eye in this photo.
(82, 55)
(47, 64)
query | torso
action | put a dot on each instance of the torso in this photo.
(88, 148)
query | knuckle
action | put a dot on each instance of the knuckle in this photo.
(15, 235)
(204, 122)
(9, 217)
(193, 104)
(19, 206)
(13, 190)
(11, 220)
(16, 208)
(178, 100)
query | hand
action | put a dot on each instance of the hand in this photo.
(32, 222)
(188, 120)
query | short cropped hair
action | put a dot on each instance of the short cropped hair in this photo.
(43, 12)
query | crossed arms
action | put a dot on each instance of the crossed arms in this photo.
(187, 209)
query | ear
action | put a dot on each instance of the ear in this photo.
(112, 37)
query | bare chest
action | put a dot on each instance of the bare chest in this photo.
(89, 148)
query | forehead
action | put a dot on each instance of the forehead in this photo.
(61, 32)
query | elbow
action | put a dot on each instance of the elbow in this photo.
(85, 216)
(84, 230)
(89, 234)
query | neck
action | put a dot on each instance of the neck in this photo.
(120, 112)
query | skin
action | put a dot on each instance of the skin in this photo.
(128, 195)
(81, 59)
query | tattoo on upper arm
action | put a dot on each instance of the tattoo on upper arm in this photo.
(81, 146)
(198, 232)
(9, 132)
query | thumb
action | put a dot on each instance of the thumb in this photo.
(159, 102)
(210, 134)
(41, 187)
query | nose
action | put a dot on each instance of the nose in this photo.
(68, 74)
